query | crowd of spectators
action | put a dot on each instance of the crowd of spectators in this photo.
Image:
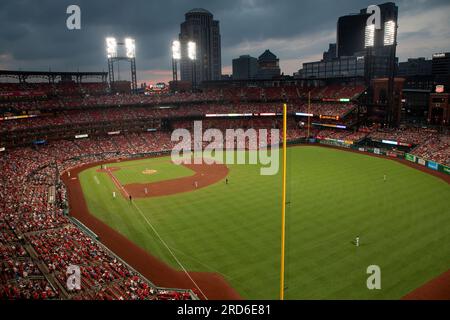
(436, 148)
(116, 114)
(343, 135)
(12, 90)
(413, 136)
(38, 241)
(65, 96)
(30, 218)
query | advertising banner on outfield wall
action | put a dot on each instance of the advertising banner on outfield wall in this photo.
(433, 165)
(421, 162)
(410, 157)
(377, 151)
(391, 154)
(446, 169)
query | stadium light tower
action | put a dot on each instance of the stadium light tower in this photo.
(389, 33)
(192, 55)
(390, 41)
(369, 40)
(130, 48)
(176, 56)
(369, 43)
(113, 56)
(111, 47)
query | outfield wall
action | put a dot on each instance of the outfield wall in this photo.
(427, 163)
(432, 165)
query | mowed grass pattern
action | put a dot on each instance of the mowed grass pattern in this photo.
(333, 196)
(132, 171)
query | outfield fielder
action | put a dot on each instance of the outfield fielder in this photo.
(114, 194)
(357, 241)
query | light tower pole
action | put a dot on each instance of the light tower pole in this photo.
(130, 56)
(176, 56)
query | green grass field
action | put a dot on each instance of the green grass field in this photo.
(131, 172)
(403, 223)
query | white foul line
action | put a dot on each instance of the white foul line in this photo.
(171, 252)
(160, 238)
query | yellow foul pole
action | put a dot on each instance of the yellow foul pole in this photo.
(283, 204)
(309, 111)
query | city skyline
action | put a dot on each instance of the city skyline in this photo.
(303, 32)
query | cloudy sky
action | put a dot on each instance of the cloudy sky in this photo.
(33, 34)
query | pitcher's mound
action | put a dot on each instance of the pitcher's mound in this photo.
(149, 171)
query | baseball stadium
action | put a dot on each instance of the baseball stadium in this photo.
(333, 183)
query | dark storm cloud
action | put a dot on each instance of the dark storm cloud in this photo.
(33, 34)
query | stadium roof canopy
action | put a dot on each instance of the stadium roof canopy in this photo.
(51, 76)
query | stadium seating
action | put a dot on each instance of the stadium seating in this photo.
(29, 220)
(38, 242)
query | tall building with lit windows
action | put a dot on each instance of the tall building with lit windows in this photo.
(354, 36)
(359, 48)
(200, 27)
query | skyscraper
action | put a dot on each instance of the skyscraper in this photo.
(350, 34)
(268, 66)
(441, 69)
(351, 57)
(245, 67)
(351, 31)
(200, 27)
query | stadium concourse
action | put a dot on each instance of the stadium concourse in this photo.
(47, 129)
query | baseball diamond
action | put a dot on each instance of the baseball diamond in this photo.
(228, 229)
(250, 150)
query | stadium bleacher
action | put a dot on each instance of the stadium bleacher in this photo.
(37, 241)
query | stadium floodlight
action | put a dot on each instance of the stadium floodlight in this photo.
(192, 50)
(389, 33)
(111, 47)
(369, 40)
(176, 50)
(130, 47)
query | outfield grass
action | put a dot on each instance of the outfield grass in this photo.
(403, 223)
